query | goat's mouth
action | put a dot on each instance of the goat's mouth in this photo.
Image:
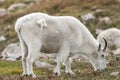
(100, 69)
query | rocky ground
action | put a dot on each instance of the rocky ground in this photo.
(97, 15)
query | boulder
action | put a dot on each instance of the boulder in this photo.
(12, 52)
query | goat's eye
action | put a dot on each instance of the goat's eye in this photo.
(102, 55)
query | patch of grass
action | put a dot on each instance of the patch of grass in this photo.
(83, 71)
(10, 68)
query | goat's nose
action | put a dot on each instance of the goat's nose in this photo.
(117, 58)
(1, 56)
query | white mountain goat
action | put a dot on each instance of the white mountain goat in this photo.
(63, 35)
(112, 35)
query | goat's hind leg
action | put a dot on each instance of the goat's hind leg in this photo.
(24, 56)
(24, 64)
(33, 54)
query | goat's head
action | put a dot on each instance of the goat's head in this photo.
(98, 60)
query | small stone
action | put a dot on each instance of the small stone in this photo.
(118, 1)
(106, 19)
(88, 16)
(114, 73)
(42, 64)
(3, 12)
(99, 10)
(2, 38)
(98, 31)
(16, 6)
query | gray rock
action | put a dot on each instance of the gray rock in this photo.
(47, 56)
(11, 52)
(106, 19)
(88, 16)
(118, 1)
(14, 7)
(42, 64)
(3, 12)
(2, 38)
(2, 1)
(99, 10)
(98, 31)
(117, 51)
(78, 58)
(114, 73)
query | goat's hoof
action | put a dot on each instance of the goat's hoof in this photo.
(33, 76)
(57, 74)
(24, 75)
(70, 73)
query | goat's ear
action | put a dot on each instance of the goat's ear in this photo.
(99, 47)
(42, 23)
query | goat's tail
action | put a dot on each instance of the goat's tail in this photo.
(22, 42)
(18, 27)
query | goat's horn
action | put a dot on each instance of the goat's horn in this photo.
(105, 44)
(99, 47)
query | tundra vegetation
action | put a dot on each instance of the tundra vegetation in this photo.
(77, 8)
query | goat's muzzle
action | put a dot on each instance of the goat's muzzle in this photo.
(1, 57)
